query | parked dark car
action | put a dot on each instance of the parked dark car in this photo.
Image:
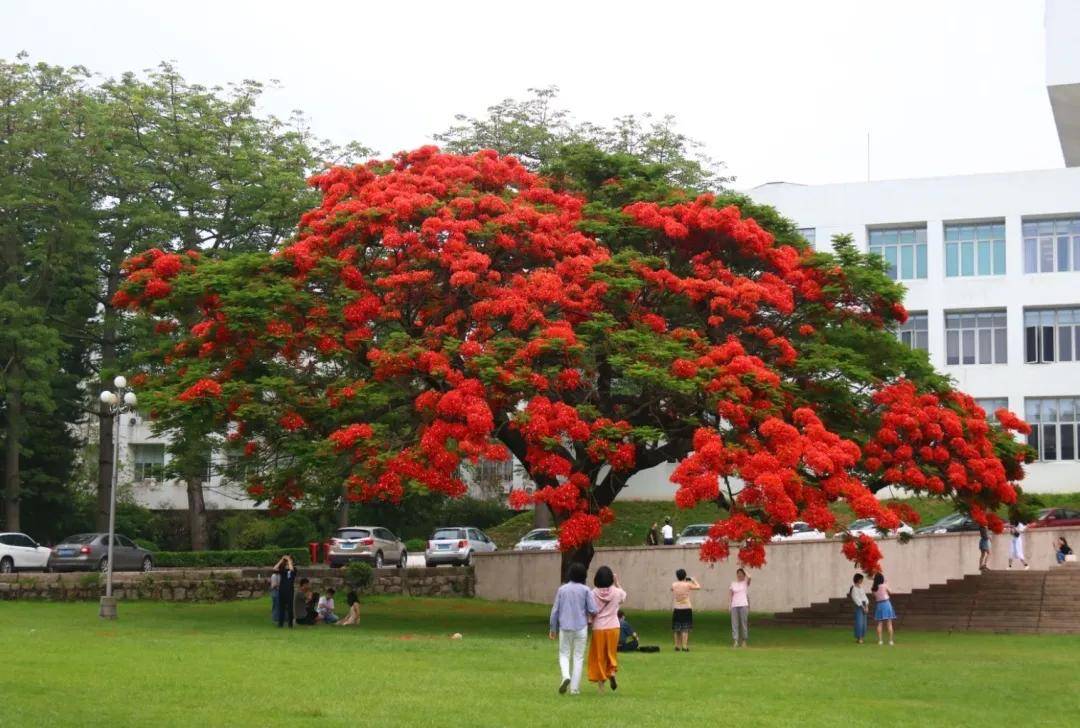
(952, 523)
(1054, 517)
(90, 552)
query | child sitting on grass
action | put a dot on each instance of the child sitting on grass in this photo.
(353, 617)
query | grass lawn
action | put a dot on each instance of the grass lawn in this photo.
(633, 518)
(167, 664)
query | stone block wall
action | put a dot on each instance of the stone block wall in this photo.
(219, 585)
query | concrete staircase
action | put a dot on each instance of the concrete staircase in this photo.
(1012, 601)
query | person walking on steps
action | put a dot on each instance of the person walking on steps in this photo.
(1016, 547)
(984, 548)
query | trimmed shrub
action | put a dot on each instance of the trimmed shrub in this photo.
(199, 559)
(415, 545)
(358, 575)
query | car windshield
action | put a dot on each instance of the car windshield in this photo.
(800, 527)
(695, 531)
(448, 534)
(1044, 513)
(352, 533)
(81, 538)
(544, 535)
(861, 523)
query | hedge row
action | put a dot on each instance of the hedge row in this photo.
(194, 559)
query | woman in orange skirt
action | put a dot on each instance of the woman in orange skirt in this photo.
(603, 649)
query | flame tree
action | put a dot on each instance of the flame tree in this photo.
(592, 322)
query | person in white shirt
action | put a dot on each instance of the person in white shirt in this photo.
(1016, 548)
(326, 608)
(668, 532)
(862, 606)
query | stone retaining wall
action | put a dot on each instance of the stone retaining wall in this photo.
(217, 585)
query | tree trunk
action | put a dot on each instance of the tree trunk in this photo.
(11, 455)
(542, 516)
(197, 514)
(582, 554)
(106, 446)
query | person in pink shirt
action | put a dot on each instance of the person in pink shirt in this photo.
(883, 608)
(740, 608)
(604, 647)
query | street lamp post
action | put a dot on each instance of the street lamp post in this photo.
(116, 403)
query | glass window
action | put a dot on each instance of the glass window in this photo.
(1052, 245)
(913, 332)
(809, 234)
(1053, 429)
(977, 337)
(904, 251)
(990, 405)
(975, 250)
(1051, 334)
(148, 461)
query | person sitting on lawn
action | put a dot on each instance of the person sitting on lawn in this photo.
(325, 607)
(628, 639)
(303, 609)
(1062, 549)
(353, 617)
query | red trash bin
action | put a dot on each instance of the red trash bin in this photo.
(326, 552)
(313, 551)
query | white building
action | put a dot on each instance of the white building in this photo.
(992, 267)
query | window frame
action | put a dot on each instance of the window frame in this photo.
(1049, 240)
(1041, 322)
(1063, 430)
(987, 236)
(972, 335)
(892, 238)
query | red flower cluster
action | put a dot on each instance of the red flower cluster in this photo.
(202, 389)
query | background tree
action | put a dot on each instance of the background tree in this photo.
(439, 308)
(46, 253)
(535, 130)
(182, 166)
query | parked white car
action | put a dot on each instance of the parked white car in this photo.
(18, 551)
(456, 545)
(800, 531)
(865, 526)
(693, 535)
(539, 539)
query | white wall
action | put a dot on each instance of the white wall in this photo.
(852, 207)
(169, 494)
(1062, 22)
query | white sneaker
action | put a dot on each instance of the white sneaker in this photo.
(880, 642)
(1027, 566)
(890, 643)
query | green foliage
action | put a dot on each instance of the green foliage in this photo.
(420, 514)
(536, 131)
(415, 545)
(90, 580)
(204, 559)
(358, 575)
(148, 545)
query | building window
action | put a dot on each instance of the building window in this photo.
(1051, 334)
(975, 250)
(904, 251)
(1053, 426)
(148, 462)
(1052, 245)
(990, 405)
(914, 333)
(976, 337)
(809, 234)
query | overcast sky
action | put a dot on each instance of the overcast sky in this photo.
(777, 89)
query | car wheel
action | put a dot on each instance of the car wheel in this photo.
(103, 565)
(7, 566)
(378, 560)
(468, 559)
(404, 560)
(147, 564)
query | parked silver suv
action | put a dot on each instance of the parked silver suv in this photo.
(373, 544)
(456, 545)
